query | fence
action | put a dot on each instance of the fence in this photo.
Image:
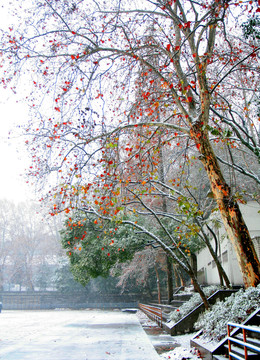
(152, 312)
(40, 300)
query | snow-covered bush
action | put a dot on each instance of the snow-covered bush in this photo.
(235, 308)
(191, 304)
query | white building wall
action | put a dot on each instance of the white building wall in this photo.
(207, 270)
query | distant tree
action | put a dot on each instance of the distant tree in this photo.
(27, 244)
(5, 210)
(64, 280)
(144, 265)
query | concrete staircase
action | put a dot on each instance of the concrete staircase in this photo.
(179, 298)
(243, 342)
(245, 335)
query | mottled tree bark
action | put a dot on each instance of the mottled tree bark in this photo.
(234, 223)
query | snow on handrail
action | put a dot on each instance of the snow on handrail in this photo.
(152, 312)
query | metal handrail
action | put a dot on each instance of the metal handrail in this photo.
(152, 312)
(244, 343)
(253, 328)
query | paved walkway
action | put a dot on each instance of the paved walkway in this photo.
(73, 335)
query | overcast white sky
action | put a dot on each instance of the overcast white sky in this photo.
(12, 159)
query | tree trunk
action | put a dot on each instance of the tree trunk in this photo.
(158, 284)
(181, 279)
(169, 279)
(221, 271)
(199, 290)
(231, 215)
(164, 207)
(1, 279)
(176, 276)
(194, 265)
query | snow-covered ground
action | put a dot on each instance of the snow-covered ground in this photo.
(73, 335)
(85, 335)
(181, 343)
(183, 351)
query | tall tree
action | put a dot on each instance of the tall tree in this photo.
(86, 64)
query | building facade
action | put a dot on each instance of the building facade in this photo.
(207, 269)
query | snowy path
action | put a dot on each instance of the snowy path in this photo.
(73, 335)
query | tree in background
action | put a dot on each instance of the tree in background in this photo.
(64, 280)
(29, 250)
(102, 133)
(5, 210)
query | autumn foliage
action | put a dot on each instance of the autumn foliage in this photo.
(127, 99)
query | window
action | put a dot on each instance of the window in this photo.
(256, 242)
(225, 256)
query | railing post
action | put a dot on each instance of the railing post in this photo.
(229, 342)
(244, 344)
(244, 338)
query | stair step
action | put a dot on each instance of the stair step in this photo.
(177, 302)
(235, 356)
(237, 351)
(182, 297)
(236, 342)
(250, 340)
(220, 357)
